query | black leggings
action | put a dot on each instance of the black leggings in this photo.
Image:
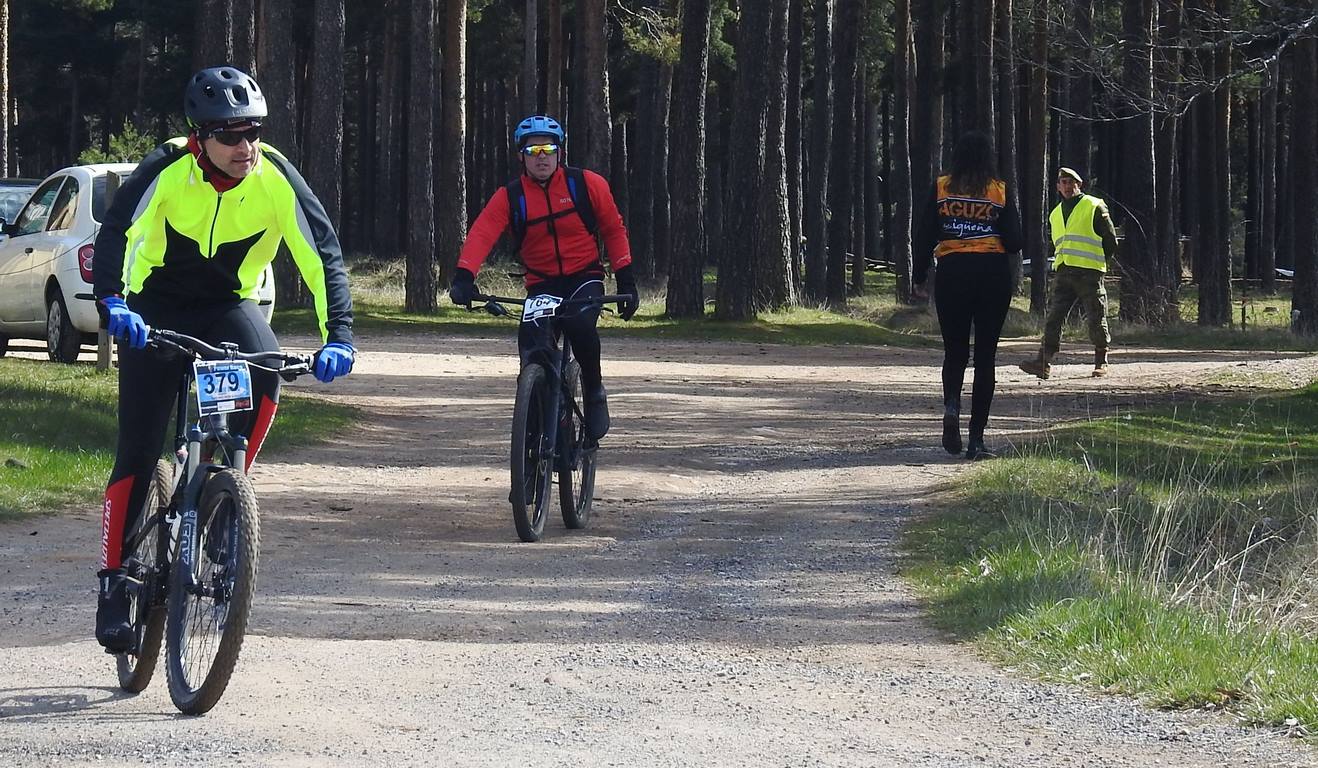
(971, 288)
(579, 329)
(148, 382)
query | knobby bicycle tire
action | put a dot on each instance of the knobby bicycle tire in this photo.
(146, 610)
(531, 473)
(205, 632)
(576, 462)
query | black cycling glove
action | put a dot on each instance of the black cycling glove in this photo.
(463, 289)
(627, 287)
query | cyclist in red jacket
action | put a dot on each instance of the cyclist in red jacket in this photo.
(557, 222)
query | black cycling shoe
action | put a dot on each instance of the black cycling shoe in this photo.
(113, 629)
(597, 412)
(976, 451)
(952, 430)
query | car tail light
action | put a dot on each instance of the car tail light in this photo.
(85, 254)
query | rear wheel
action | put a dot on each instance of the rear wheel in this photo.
(146, 575)
(208, 607)
(576, 460)
(63, 342)
(531, 453)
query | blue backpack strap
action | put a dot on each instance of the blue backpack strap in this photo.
(516, 213)
(580, 193)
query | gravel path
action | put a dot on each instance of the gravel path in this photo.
(735, 601)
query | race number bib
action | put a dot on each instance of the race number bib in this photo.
(540, 306)
(223, 386)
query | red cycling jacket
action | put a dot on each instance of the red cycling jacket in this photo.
(557, 246)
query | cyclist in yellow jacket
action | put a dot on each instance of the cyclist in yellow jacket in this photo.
(1083, 239)
(183, 247)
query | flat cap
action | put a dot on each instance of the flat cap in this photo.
(1069, 173)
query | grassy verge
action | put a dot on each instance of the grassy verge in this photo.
(874, 317)
(57, 442)
(1169, 555)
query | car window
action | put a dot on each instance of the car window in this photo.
(37, 211)
(65, 207)
(101, 199)
(12, 199)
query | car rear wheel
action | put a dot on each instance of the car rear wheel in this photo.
(63, 341)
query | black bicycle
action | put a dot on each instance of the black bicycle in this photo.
(193, 551)
(549, 427)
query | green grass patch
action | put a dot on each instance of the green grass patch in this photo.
(1169, 554)
(57, 442)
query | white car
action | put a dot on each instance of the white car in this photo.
(46, 261)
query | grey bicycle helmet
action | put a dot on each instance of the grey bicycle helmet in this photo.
(222, 95)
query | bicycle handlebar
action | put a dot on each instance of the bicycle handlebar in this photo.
(493, 304)
(291, 366)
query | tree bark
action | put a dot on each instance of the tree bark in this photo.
(421, 287)
(795, 149)
(821, 139)
(554, 60)
(929, 19)
(1006, 117)
(389, 131)
(1304, 296)
(1035, 185)
(737, 290)
(859, 230)
(686, 296)
(773, 228)
(1141, 295)
(324, 156)
(662, 209)
(899, 189)
(451, 206)
(594, 78)
(4, 88)
(850, 13)
(1267, 223)
(1166, 142)
(244, 35)
(1077, 134)
(530, 56)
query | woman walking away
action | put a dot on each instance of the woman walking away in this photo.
(969, 225)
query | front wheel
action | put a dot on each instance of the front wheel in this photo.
(576, 459)
(209, 603)
(146, 569)
(531, 453)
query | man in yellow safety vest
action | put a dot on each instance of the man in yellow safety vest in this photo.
(1083, 239)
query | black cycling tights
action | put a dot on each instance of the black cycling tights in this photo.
(148, 381)
(579, 329)
(971, 288)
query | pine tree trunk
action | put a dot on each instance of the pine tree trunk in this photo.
(737, 290)
(1304, 297)
(821, 139)
(389, 135)
(795, 148)
(1168, 64)
(926, 119)
(554, 60)
(1267, 224)
(324, 156)
(858, 229)
(4, 88)
(686, 273)
(661, 210)
(773, 229)
(899, 189)
(244, 35)
(420, 285)
(530, 63)
(1141, 299)
(641, 224)
(850, 13)
(212, 40)
(1035, 185)
(594, 78)
(621, 165)
(1006, 116)
(451, 205)
(1077, 134)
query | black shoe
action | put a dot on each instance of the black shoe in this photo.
(597, 412)
(113, 629)
(952, 430)
(976, 451)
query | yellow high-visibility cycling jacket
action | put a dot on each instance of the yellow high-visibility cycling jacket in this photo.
(170, 237)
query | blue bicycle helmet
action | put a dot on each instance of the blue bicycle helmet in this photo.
(539, 125)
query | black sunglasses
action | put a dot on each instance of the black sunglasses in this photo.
(233, 138)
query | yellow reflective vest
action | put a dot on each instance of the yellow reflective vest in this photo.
(171, 236)
(1075, 243)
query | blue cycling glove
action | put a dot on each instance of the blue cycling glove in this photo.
(123, 323)
(334, 360)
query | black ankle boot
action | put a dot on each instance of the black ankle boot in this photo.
(975, 449)
(597, 412)
(952, 429)
(113, 629)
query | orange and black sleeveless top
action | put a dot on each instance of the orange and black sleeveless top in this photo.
(968, 223)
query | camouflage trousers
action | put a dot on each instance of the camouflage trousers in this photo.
(1070, 286)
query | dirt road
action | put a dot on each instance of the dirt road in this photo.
(735, 602)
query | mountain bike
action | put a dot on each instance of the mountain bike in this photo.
(549, 427)
(192, 554)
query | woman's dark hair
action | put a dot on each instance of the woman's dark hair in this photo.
(973, 165)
